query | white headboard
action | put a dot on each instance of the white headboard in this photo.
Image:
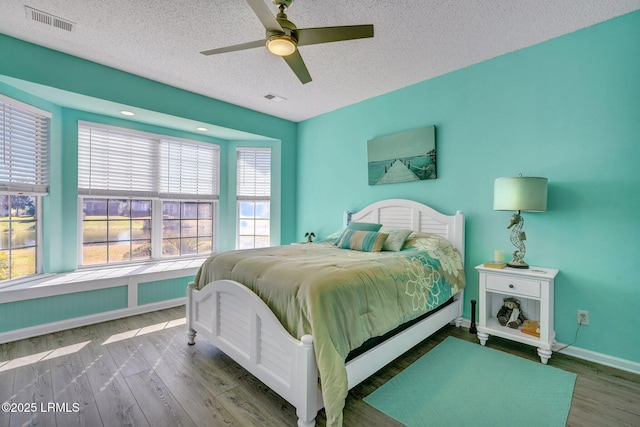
(401, 213)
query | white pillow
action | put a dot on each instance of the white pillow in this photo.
(396, 239)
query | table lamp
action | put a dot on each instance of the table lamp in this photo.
(519, 193)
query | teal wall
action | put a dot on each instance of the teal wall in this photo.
(162, 290)
(567, 109)
(23, 314)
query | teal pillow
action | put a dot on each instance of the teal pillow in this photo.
(360, 226)
(364, 226)
(365, 241)
(396, 239)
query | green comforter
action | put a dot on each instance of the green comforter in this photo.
(342, 297)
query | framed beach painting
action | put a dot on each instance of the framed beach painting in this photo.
(402, 157)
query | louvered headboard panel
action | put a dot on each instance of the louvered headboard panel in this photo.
(402, 213)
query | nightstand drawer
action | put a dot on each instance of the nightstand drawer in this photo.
(510, 285)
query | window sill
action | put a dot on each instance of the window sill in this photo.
(96, 278)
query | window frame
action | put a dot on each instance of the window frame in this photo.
(214, 217)
(81, 223)
(13, 186)
(38, 245)
(259, 195)
(159, 194)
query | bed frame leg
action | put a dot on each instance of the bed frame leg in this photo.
(458, 321)
(191, 333)
(459, 298)
(191, 336)
(307, 375)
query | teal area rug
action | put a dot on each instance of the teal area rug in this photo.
(459, 383)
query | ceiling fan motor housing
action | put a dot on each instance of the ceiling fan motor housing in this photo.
(288, 26)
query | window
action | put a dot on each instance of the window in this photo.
(187, 228)
(254, 197)
(24, 177)
(145, 196)
(115, 230)
(189, 171)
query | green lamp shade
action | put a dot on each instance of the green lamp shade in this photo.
(520, 193)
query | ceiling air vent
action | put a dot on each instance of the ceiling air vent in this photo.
(48, 19)
(274, 98)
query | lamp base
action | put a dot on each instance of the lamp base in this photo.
(517, 263)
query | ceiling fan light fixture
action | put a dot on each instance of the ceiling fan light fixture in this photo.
(281, 45)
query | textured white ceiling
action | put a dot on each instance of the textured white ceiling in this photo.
(414, 40)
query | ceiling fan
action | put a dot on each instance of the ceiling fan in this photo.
(283, 37)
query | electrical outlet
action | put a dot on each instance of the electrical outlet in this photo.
(583, 317)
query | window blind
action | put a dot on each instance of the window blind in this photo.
(254, 173)
(115, 162)
(24, 148)
(188, 170)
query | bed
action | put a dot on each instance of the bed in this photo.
(243, 325)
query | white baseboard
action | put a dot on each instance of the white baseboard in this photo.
(592, 356)
(77, 322)
(602, 359)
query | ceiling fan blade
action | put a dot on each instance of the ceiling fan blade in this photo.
(307, 36)
(296, 63)
(243, 46)
(264, 15)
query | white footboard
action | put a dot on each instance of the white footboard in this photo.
(239, 323)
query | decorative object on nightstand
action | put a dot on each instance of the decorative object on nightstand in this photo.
(309, 235)
(498, 260)
(519, 193)
(494, 264)
(531, 327)
(533, 289)
(510, 313)
(472, 327)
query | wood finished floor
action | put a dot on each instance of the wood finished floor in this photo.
(139, 371)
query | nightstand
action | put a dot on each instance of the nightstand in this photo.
(533, 287)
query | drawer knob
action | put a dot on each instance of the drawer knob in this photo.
(511, 286)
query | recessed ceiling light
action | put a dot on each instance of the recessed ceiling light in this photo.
(201, 129)
(127, 113)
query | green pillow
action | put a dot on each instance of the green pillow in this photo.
(365, 241)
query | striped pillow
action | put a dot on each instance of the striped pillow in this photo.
(360, 226)
(365, 241)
